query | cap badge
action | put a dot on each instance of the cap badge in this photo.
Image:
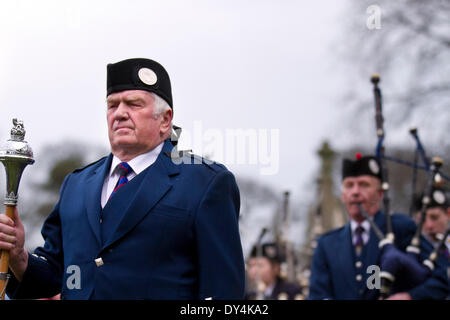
(147, 76)
(439, 196)
(373, 166)
(271, 252)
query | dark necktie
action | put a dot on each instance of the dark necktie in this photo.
(359, 242)
(124, 169)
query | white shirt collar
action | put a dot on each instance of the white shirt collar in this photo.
(139, 163)
(365, 235)
(365, 224)
(269, 289)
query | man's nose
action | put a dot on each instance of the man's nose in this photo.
(355, 190)
(427, 224)
(122, 111)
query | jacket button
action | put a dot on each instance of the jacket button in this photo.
(99, 262)
(358, 264)
(358, 277)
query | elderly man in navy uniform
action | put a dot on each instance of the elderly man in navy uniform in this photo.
(264, 273)
(343, 256)
(145, 222)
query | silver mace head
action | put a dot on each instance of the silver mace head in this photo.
(15, 155)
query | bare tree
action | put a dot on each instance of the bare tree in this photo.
(411, 50)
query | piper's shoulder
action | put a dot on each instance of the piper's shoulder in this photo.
(331, 234)
(90, 165)
(402, 219)
(187, 158)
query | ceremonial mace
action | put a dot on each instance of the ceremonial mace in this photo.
(15, 155)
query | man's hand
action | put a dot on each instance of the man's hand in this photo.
(12, 238)
(400, 296)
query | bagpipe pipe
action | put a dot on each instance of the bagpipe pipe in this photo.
(394, 263)
(289, 264)
(260, 286)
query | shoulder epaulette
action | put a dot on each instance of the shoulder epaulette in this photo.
(191, 158)
(90, 164)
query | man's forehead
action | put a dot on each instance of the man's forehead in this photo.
(364, 177)
(130, 95)
(259, 258)
(436, 211)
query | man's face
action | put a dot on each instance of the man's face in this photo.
(132, 127)
(365, 190)
(436, 221)
(261, 268)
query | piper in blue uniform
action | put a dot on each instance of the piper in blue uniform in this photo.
(437, 221)
(264, 273)
(437, 218)
(345, 258)
(145, 222)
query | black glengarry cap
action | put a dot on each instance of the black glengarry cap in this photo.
(139, 74)
(368, 165)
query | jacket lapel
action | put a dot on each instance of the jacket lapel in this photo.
(347, 254)
(373, 252)
(92, 195)
(156, 182)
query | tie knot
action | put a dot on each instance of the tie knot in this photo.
(123, 168)
(359, 230)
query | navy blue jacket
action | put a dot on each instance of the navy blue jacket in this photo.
(170, 233)
(336, 272)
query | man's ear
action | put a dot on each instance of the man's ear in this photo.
(380, 191)
(381, 194)
(166, 120)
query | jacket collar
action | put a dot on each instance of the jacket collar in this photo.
(141, 198)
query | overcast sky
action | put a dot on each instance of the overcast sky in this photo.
(262, 66)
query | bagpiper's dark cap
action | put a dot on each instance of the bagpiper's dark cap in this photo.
(367, 165)
(267, 250)
(439, 199)
(139, 74)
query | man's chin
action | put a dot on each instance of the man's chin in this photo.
(356, 216)
(123, 142)
(354, 213)
(353, 208)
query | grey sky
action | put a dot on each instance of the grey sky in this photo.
(233, 65)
